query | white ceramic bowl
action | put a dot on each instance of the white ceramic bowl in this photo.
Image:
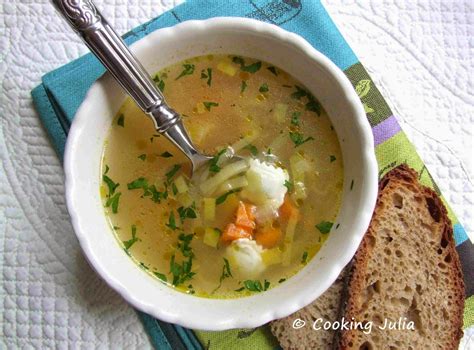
(230, 36)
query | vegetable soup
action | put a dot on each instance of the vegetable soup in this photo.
(240, 225)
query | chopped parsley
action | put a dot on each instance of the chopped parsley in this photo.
(252, 149)
(182, 271)
(112, 186)
(174, 189)
(121, 120)
(159, 82)
(207, 74)
(281, 280)
(273, 70)
(112, 196)
(251, 68)
(263, 88)
(187, 213)
(221, 199)
(188, 69)
(295, 118)
(324, 226)
(213, 166)
(332, 158)
(170, 174)
(312, 105)
(161, 276)
(141, 182)
(299, 93)
(304, 258)
(352, 185)
(243, 86)
(172, 222)
(226, 273)
(208, 105)
(142, 157)
(298, 139)
(256, 286)
(166, 154)
(128, 244)
(288, 185)
(148, 191)
(113, 202)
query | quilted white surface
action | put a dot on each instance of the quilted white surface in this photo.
(420, 53)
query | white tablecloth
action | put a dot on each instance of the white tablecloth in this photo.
(420, 53)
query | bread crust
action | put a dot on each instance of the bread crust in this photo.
(406, 177)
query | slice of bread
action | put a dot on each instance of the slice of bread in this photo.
(326, 307)
(406, 267)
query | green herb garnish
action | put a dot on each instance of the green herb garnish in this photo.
(112, 186)
(208, 105)
(273, 70)
(243, 86)
(263, 88)
(295, 118)
(142, 156)
(141, 182)
(226, 273)
(172, 222)
(121, 120)
(148, 191)
(170, 174)
(298, 139)
(299, 93)
(188, 69)
(112, 197)
(304, 258)
(324, 226)
(161, 276)
(352, 185)
(251, 68)
(159, 82)
(186, 213)
(332, 158)
(288, 185)
(182, 271)
(252, 149)
(113, 202)
(313, 105)
(207, 74)
(213, 166)
(221, 199)
(281, 280)
(166, 154)
(256, 286)
(174, 188)
(128, 244)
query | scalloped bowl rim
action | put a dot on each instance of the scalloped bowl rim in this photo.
(238, 312)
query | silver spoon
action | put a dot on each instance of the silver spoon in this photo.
(110, 49)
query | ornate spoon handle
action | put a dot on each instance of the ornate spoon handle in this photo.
(103, 41)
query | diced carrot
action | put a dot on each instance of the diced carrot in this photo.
(245, 216)
(268, 237)
(287, 209)
(233, 232)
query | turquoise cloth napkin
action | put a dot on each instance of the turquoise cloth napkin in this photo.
(61, 92)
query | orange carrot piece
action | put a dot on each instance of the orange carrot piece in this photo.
(268, 237)
(287, 209)
(233, 232)
(245, 216)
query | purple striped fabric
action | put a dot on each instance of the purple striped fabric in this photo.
(385, 130)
